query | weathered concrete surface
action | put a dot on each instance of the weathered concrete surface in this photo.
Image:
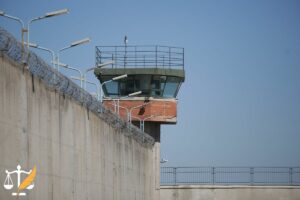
(230, 193)
(77, 155)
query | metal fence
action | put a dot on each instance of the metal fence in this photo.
(141, 56)
(230, 175)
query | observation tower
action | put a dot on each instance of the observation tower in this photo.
(142, 83)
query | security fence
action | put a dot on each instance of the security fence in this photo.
(230, 176)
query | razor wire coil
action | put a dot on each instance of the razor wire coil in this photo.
(53, 79)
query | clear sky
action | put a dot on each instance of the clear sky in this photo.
(240, 104)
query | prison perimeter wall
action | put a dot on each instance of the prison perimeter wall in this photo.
(80, 149)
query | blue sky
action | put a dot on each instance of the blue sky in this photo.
(240, 104)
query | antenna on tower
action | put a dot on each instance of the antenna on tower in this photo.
(125, 56)
(125, 40)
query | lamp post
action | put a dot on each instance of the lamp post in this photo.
(3, 14)
(96, 67)
(70, 68)
(76, 43)
(24, 29)
(92, 83)
(113, 79)
(47, 15)
(125, 97)
(33, 45)
(117, 106)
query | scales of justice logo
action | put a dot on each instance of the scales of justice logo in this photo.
(27, 183)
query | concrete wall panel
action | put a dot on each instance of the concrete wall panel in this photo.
(78, 156)
(230, 192)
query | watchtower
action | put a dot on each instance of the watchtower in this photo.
(142, 83)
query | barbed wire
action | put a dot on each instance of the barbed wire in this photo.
(53, 79)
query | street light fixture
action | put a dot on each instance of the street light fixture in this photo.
(125, 97)
(73, 44)
(33, 45)
(79, 42)
(117, 106)
(2, 13)
(113, 79)
(70, 68)
(134, 94)
(96, 67)
(92, 83)
(47, 15)
(119, 77)
(56, 13)
(100, 66)
(54, 62)
(61, 64)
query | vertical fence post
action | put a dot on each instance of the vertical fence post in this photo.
(100, 57)
(174, 175)
(213, 175)
(251, 175)
(156, 56)
(116, 58)
(183, 58)
(291, 175)
(135, 56)
(169, 57)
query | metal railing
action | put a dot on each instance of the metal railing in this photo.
(230, 176)
(141, 56)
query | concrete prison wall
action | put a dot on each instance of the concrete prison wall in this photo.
(195, 192)
(80, 150)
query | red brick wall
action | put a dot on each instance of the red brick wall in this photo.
(163, 110)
